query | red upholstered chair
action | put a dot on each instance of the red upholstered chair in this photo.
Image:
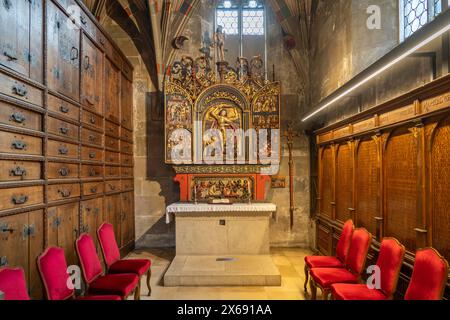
(354, 262)
(112, 284)
(52, 267)
(389, 261)
(13, 284)
(111, 255)
(429, 276)
(331, 262)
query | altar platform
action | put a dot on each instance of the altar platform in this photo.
(222, 245)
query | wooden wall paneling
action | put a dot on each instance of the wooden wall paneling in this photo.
(91, 76)
(127, 218)
(113, 214)
(112, 92)
(439, 224)
(344, 182)
(327, 182)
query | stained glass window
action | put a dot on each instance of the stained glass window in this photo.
(229, 20)
(253, 22)
(241, 17)
(417, 13)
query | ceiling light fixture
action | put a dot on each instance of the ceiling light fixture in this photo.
(380, 70)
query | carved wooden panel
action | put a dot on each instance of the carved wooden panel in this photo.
(440, 189)
(367, 184)
(327, 182)
(401, 189)
(344, 182)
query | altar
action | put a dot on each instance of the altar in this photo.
(222, 245)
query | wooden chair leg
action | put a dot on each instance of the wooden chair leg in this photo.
(149, 274)
(313, 287)
(137, 291)
(305, 286)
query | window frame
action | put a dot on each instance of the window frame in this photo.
(430, 11)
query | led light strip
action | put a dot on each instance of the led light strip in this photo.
(376, 73)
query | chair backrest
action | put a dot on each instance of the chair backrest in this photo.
(108, 244)
(390, 261)
(344, 240)
(52, 266)
(429, 276)
(357, 252)
(89, 261)
(13, 284)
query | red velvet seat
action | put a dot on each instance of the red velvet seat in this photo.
(429, 276)
(331, 262)
(52, 267)
(389, 261)
(98, 284)
(111, 254)
(13, 284)
(355, 260)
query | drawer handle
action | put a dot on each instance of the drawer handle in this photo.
(18, 117)
(83, 19)
(74, 53)
(17, 200)
(63, 150)
(64, 172)
(64, 193)
(18, 172)
(10, 55)
(92, 138)
(111, 129)
(93, 189)
(87, 62)
(4, 228)
(3, 261)
(92, 155)
(64, 109)
(18, 145)
(111, 142)
(20, 90)
(112, 187)
(64, 130)
(92, 119)
(57, 222)
(92, 172)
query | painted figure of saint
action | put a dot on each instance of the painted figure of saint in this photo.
(224, 120)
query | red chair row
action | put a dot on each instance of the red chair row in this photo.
(341, 275)
(122, 278)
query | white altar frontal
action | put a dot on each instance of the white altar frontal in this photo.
(222, 245)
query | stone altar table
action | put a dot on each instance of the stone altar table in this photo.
(222, 245)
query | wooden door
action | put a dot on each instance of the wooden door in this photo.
(112, 91)
(36, 246)
(21, 37)
(91, 76)
(112, 214)
(92, 217)
(63, 45)
(62, 229)
(127, 219)
(126, 103)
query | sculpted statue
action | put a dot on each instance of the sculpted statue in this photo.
(219, 43)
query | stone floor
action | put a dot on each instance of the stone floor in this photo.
(290, 262)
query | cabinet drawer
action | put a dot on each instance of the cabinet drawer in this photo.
(62, 149)
(126, 147)
(112, 143)
(112, 186)
(87, 25)
(20, 170)
(111, 129)
(19, 90)
(126, 135)
(126, 171)
(20, 197)
(58, 170)
(91, 154)
(19, 117)
(91, 137)
(20, 144)
(112, 171)
(92, 188)
(112, 157)
(127, 184)
(104, 43)
(63, 108)
(88, 171)
(62, 128)
(92, 120)
(126, 160)
(57, 192)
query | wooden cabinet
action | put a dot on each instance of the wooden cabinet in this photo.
(112, 92)
(63, 53)
(62, 141)
(63, 229)
(21, 241)
(91, 77)
(21, 45)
